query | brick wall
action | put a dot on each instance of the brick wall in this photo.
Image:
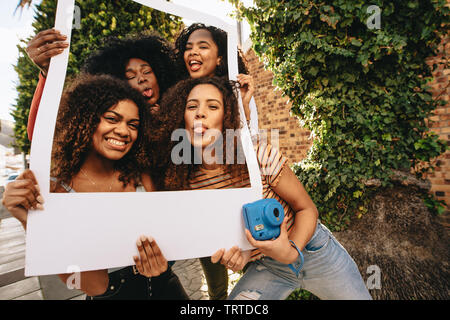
(294, 142)
(440, 180)
(274, 113)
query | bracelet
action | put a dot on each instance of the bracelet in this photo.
(302, 260)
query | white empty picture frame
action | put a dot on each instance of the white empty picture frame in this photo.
(91, 231)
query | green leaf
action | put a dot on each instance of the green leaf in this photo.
(356, 43)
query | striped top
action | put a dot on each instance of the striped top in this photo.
(271, 163)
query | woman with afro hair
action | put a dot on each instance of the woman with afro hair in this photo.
(100, 146)
(145, 60)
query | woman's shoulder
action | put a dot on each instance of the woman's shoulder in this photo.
(147, 182)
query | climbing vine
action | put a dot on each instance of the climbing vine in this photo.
(356, 75)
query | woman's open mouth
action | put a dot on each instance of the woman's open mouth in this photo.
(148, 93)
(194, 65)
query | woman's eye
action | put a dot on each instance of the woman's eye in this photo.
(213, 107)
(191, 107)
(110, 119)
(129, 77)
(148, 71)
(134, 126)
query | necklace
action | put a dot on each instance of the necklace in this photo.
(93, 182)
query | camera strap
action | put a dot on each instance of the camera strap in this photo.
(302, 260)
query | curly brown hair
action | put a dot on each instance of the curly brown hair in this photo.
(82, 105)
(173, 107)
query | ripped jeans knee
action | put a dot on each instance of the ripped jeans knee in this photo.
(248, 295)
(262, 281)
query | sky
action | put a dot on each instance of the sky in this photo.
(18, 26)
(12, 28)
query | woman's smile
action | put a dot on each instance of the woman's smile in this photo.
(117, 130)
(117, 144)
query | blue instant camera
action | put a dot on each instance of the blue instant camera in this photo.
(263, 218)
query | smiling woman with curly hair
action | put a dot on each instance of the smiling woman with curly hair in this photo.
(100, 145)
(82, 109)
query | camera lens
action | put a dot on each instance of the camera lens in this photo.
(276, 212)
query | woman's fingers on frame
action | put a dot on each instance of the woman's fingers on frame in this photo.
(46, 32)
(48, 38)
(238, 265)
(22, 189)
(217, 256)
(49, 54)
(138, 264)
(159, 257)
(142, 253)
(17, 201)
(42, 39)
(29, 181)
(233, 262)
(28, 174)
(145, 258)
(49, 50)
(31, 193)
(230, 257)
(226, 256)
(154, 263)
(244, 78)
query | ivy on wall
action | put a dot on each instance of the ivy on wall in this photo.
(356, 76)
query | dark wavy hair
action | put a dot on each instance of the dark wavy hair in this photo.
(220, 38)
(83, 103)
(115, 53)
(173, 107)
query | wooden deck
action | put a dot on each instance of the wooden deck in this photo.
(13, 284)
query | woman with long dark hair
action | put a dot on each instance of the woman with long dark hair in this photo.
(306, 254)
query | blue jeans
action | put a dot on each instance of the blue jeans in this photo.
(328, 272)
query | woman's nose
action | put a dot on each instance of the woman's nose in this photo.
(141, 78)
(121, 129)
(200, 114)
(193, 51)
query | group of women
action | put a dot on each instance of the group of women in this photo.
(113, 135)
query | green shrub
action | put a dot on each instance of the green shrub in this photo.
(363, 93)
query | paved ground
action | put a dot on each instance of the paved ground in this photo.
(15, 286)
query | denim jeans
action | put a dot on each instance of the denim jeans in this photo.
(328, 272)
